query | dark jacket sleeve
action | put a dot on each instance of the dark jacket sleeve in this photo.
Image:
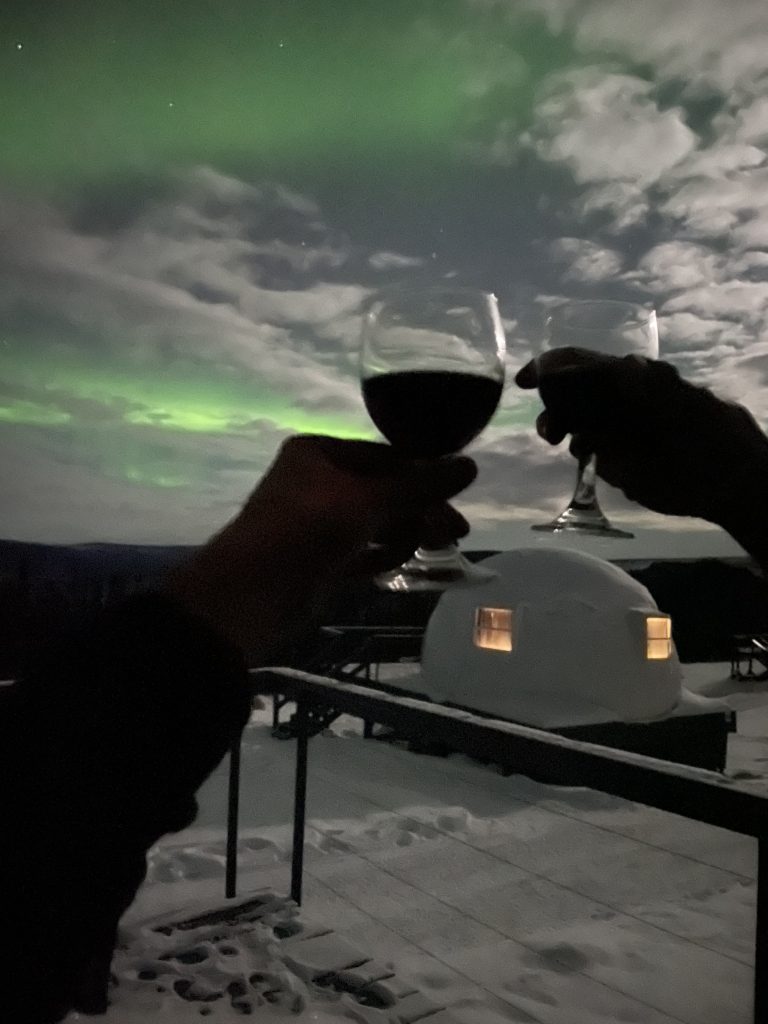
(107, 736)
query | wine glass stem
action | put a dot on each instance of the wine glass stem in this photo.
(584, 496)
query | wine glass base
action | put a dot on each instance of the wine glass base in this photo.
(434, 570)
(585, 521)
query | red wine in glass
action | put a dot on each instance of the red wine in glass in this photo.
(432, 373)
(428, 413)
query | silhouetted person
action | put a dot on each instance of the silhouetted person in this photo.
(106, 738)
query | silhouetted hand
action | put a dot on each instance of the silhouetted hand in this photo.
(312, 520)
(667, 444)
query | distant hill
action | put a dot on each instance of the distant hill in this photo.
(81, 561)
(44, 588)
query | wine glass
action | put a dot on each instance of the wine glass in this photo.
(432, 373)
(617, 329)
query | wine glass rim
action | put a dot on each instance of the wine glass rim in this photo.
(649, 313)
(414, 289)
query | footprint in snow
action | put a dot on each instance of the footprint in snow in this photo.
(562, 958)
(256, 844)
(526, 985)
(329, 843)
(603, 915)
(450, 822)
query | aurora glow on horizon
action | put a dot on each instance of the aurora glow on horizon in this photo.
(196, 199)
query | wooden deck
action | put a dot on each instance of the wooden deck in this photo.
(500, 898)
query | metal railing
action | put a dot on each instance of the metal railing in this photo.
(694, 793)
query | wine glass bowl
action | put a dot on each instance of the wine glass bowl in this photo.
(604, 325)
(613, 328)
(432, 374)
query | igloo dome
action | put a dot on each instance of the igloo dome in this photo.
(558, 638)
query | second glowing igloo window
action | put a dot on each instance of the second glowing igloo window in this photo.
(658, 637)
(493, 629)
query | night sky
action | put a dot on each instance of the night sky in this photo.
(197, 198)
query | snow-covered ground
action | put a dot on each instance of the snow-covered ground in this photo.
(497, 898)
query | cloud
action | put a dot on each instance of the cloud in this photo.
(685, 141)
(712, 307)
(583, 260)
(637, 154)
(152, 331)
(169, 284)
(751, 264)
(742, 301)
(71, 406)
(672, 166)
(688, 333)
(626, 202)
(393, 261)
(747, 124)
(674, 266)
(715, 161)
(608, 127)
(727, 206)
(701, 42)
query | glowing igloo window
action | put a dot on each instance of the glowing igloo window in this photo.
(658, 633)
(493, 628)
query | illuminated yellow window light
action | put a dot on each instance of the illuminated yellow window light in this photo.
(493, 628)
(658, 633)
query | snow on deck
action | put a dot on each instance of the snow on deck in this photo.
(499, 898)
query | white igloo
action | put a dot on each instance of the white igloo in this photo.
(558, 638)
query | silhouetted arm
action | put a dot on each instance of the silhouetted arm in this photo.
(674, 447)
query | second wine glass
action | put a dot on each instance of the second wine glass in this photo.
(432, 371)
(617, 329)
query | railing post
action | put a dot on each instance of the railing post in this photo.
(300, 799)
(233, 811)
(761, 934)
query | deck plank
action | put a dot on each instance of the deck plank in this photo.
(535, 984)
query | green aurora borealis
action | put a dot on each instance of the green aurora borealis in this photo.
(182, 397)
(93, 90)
(197, 197)
(102, 99)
